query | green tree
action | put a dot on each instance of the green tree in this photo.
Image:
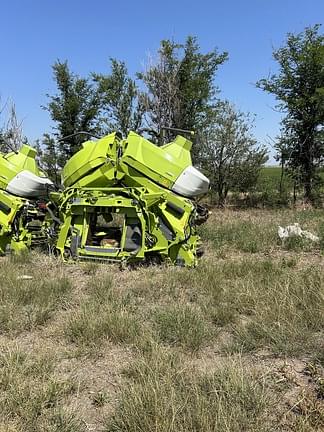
(231, 155)
(299, 88)
(75, 108)
(121, 109)
(180, 89)
(48, 152)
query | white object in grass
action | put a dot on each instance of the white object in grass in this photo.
(295, 231)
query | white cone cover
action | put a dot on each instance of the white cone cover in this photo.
(191, 182)
(28, 185)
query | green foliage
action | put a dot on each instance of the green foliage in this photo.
(180, 93)
(236, 344)
(264, 304)
(121, 109)
(74, 108)
(256, 234)
(274, 188)
(230, 154)
(180, 89)
(321, 236)
(48, 150)
(299, 88)
(289, 332)
(92, 324)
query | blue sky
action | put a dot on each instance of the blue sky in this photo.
(34, 33)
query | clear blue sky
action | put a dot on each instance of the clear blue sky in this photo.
(34, 33)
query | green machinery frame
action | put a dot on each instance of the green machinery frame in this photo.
(118, 204)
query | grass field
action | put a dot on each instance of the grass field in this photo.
(271, 172)
(270, 178)
(270, 175)
(236, 344)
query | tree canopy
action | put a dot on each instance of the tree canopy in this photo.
(75, 108)
(231, 155)
(176, 90)
(121, 108)
(180, 87)
(299, 88)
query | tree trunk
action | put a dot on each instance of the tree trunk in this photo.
(281, 177)
(308, 183)
(308, 192)
(309, 171)
(221, 195)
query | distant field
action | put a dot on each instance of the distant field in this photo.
(236, 344)
(274, 173)
(269, 180)
(270, 175)
(271, 172)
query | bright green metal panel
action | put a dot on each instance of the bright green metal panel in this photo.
(163, 165)
(13, 163)
(92, 155)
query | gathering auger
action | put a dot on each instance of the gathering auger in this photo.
(123, 200)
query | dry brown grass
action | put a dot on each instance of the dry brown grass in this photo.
(235, 344)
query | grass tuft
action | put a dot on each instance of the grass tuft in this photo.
(26, 304)
(182, 325)
(163, 395)
(91, 324)
(30, 395)
(102, 315)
